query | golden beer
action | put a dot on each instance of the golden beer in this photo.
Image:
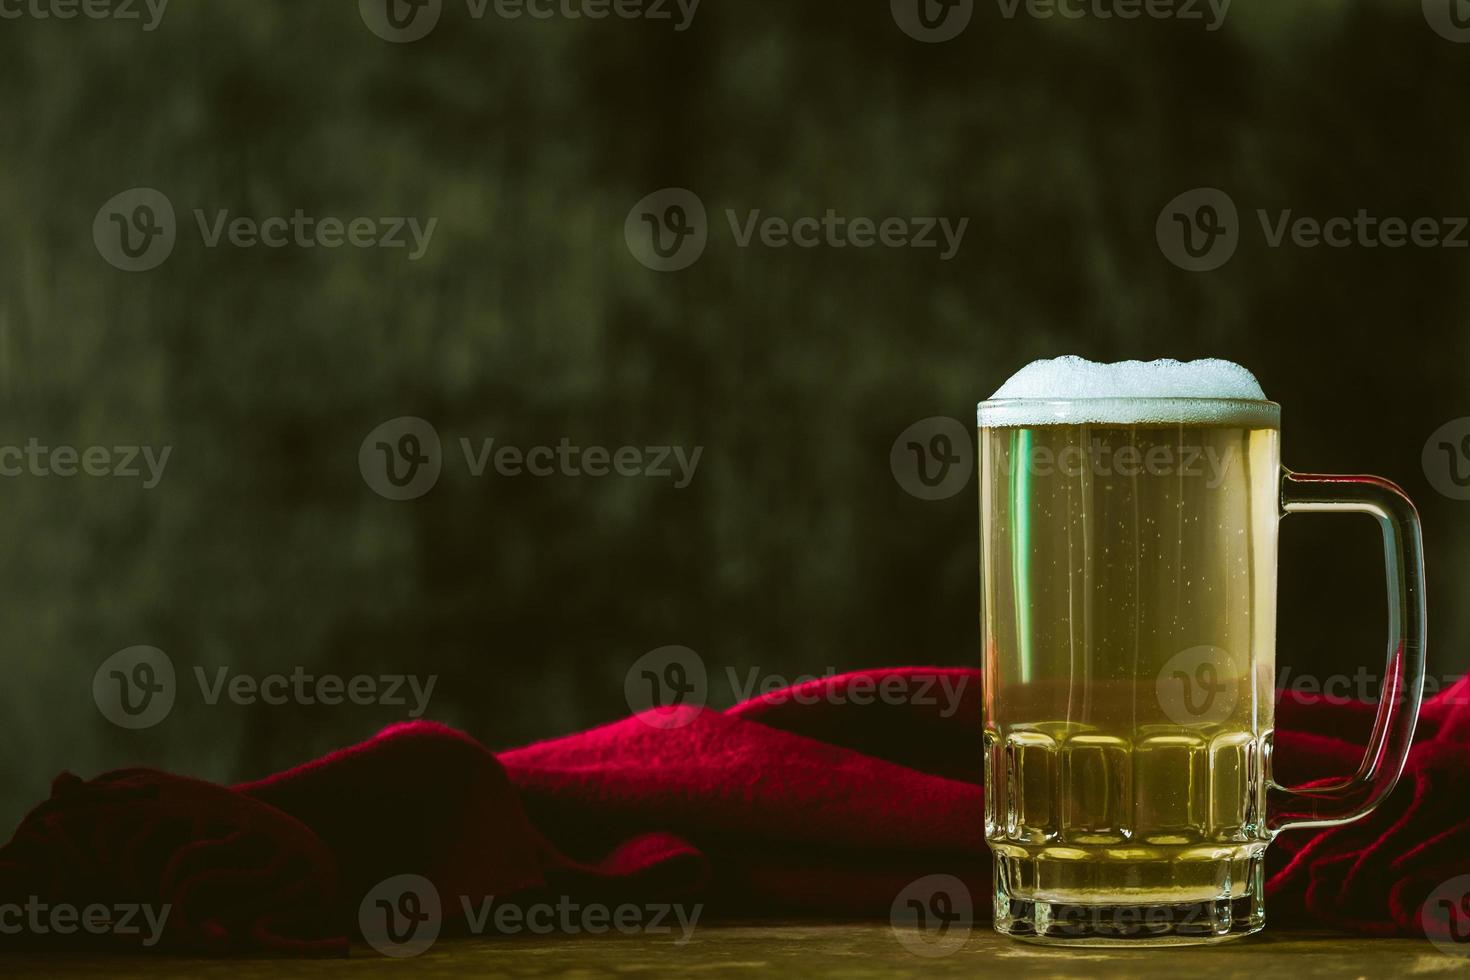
(1128, 567)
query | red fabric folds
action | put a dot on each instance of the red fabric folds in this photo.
(821, 799)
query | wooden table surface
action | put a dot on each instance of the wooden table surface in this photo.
(847, 950)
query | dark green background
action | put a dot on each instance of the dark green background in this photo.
(795, 549)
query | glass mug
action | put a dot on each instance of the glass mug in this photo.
(1129, 591)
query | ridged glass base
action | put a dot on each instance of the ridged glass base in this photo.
(1232, 908)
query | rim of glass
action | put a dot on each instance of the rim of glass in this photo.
(1133, 410)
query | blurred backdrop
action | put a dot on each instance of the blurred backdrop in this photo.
(533, 317)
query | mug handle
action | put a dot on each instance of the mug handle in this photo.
(1403, 681)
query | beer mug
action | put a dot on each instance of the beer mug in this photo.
(1129, 551)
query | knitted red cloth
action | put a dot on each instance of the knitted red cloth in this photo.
(808, 800)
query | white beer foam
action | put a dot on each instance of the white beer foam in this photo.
(1071, 390)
